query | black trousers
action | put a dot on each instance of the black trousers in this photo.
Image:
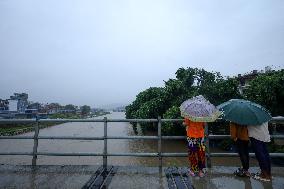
(242, 148)
(262, 155)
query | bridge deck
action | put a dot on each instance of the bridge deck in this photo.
(128, 177)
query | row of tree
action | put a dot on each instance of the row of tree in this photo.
(56, 107)
(266, 89)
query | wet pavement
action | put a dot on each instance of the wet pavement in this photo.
(76, 176)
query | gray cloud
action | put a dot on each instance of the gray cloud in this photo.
(103, 52)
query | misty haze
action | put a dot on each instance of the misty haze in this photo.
(142, 94)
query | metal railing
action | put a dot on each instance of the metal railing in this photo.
(105, 138)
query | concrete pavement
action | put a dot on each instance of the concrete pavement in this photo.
(74, 176)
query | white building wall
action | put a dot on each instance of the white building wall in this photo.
(13, 104)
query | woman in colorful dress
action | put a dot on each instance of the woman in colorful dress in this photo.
(196, 147)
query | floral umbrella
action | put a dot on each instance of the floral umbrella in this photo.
(198, 109)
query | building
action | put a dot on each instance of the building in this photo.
(245, 79)
(31, 113)
(13, 106)
(4, 105)
(18, 102)
(52, 108)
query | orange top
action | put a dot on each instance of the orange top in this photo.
(194, 129)
(238, 132)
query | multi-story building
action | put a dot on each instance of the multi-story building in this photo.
(246, 78)
(4, 105)
(18, 102)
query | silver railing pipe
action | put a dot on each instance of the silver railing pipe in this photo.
(208, 158)
(35, 143)
(105, 144)
(105, 137)
(160, 144)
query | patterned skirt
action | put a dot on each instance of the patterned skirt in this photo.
(196, 153)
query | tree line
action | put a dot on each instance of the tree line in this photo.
(266, 89)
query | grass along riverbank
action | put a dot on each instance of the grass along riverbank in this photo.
(19, 128)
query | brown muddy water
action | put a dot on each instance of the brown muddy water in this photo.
(114, 146)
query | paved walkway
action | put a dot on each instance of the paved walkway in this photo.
(126, 177)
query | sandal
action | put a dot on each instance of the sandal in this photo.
(191, 172)
(238, 172)
(201, 173)
(261, 177)
(242, 173)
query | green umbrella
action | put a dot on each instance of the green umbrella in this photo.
(244, 112)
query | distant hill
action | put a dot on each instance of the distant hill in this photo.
(119, 109)
(114, 106)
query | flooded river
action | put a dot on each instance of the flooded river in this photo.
(95, 129)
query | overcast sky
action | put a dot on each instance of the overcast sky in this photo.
(104, 52)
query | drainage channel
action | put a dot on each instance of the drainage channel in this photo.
(178, 178)
(101, 178)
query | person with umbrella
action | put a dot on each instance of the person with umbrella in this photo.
(244, 112)
(196, 111)
(239, 134)
(259, 136)
(196, 147)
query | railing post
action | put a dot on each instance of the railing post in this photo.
(105, 144)
(208, 158)
(160, 143)
(273, 131)
(273, 128)
(35, 142)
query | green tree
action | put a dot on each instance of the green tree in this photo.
(147, 105)
(268, 90)
(85, 110)
(152, 94)
(186, 79)
(170, 128)
(54, 105)
(70, 107)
